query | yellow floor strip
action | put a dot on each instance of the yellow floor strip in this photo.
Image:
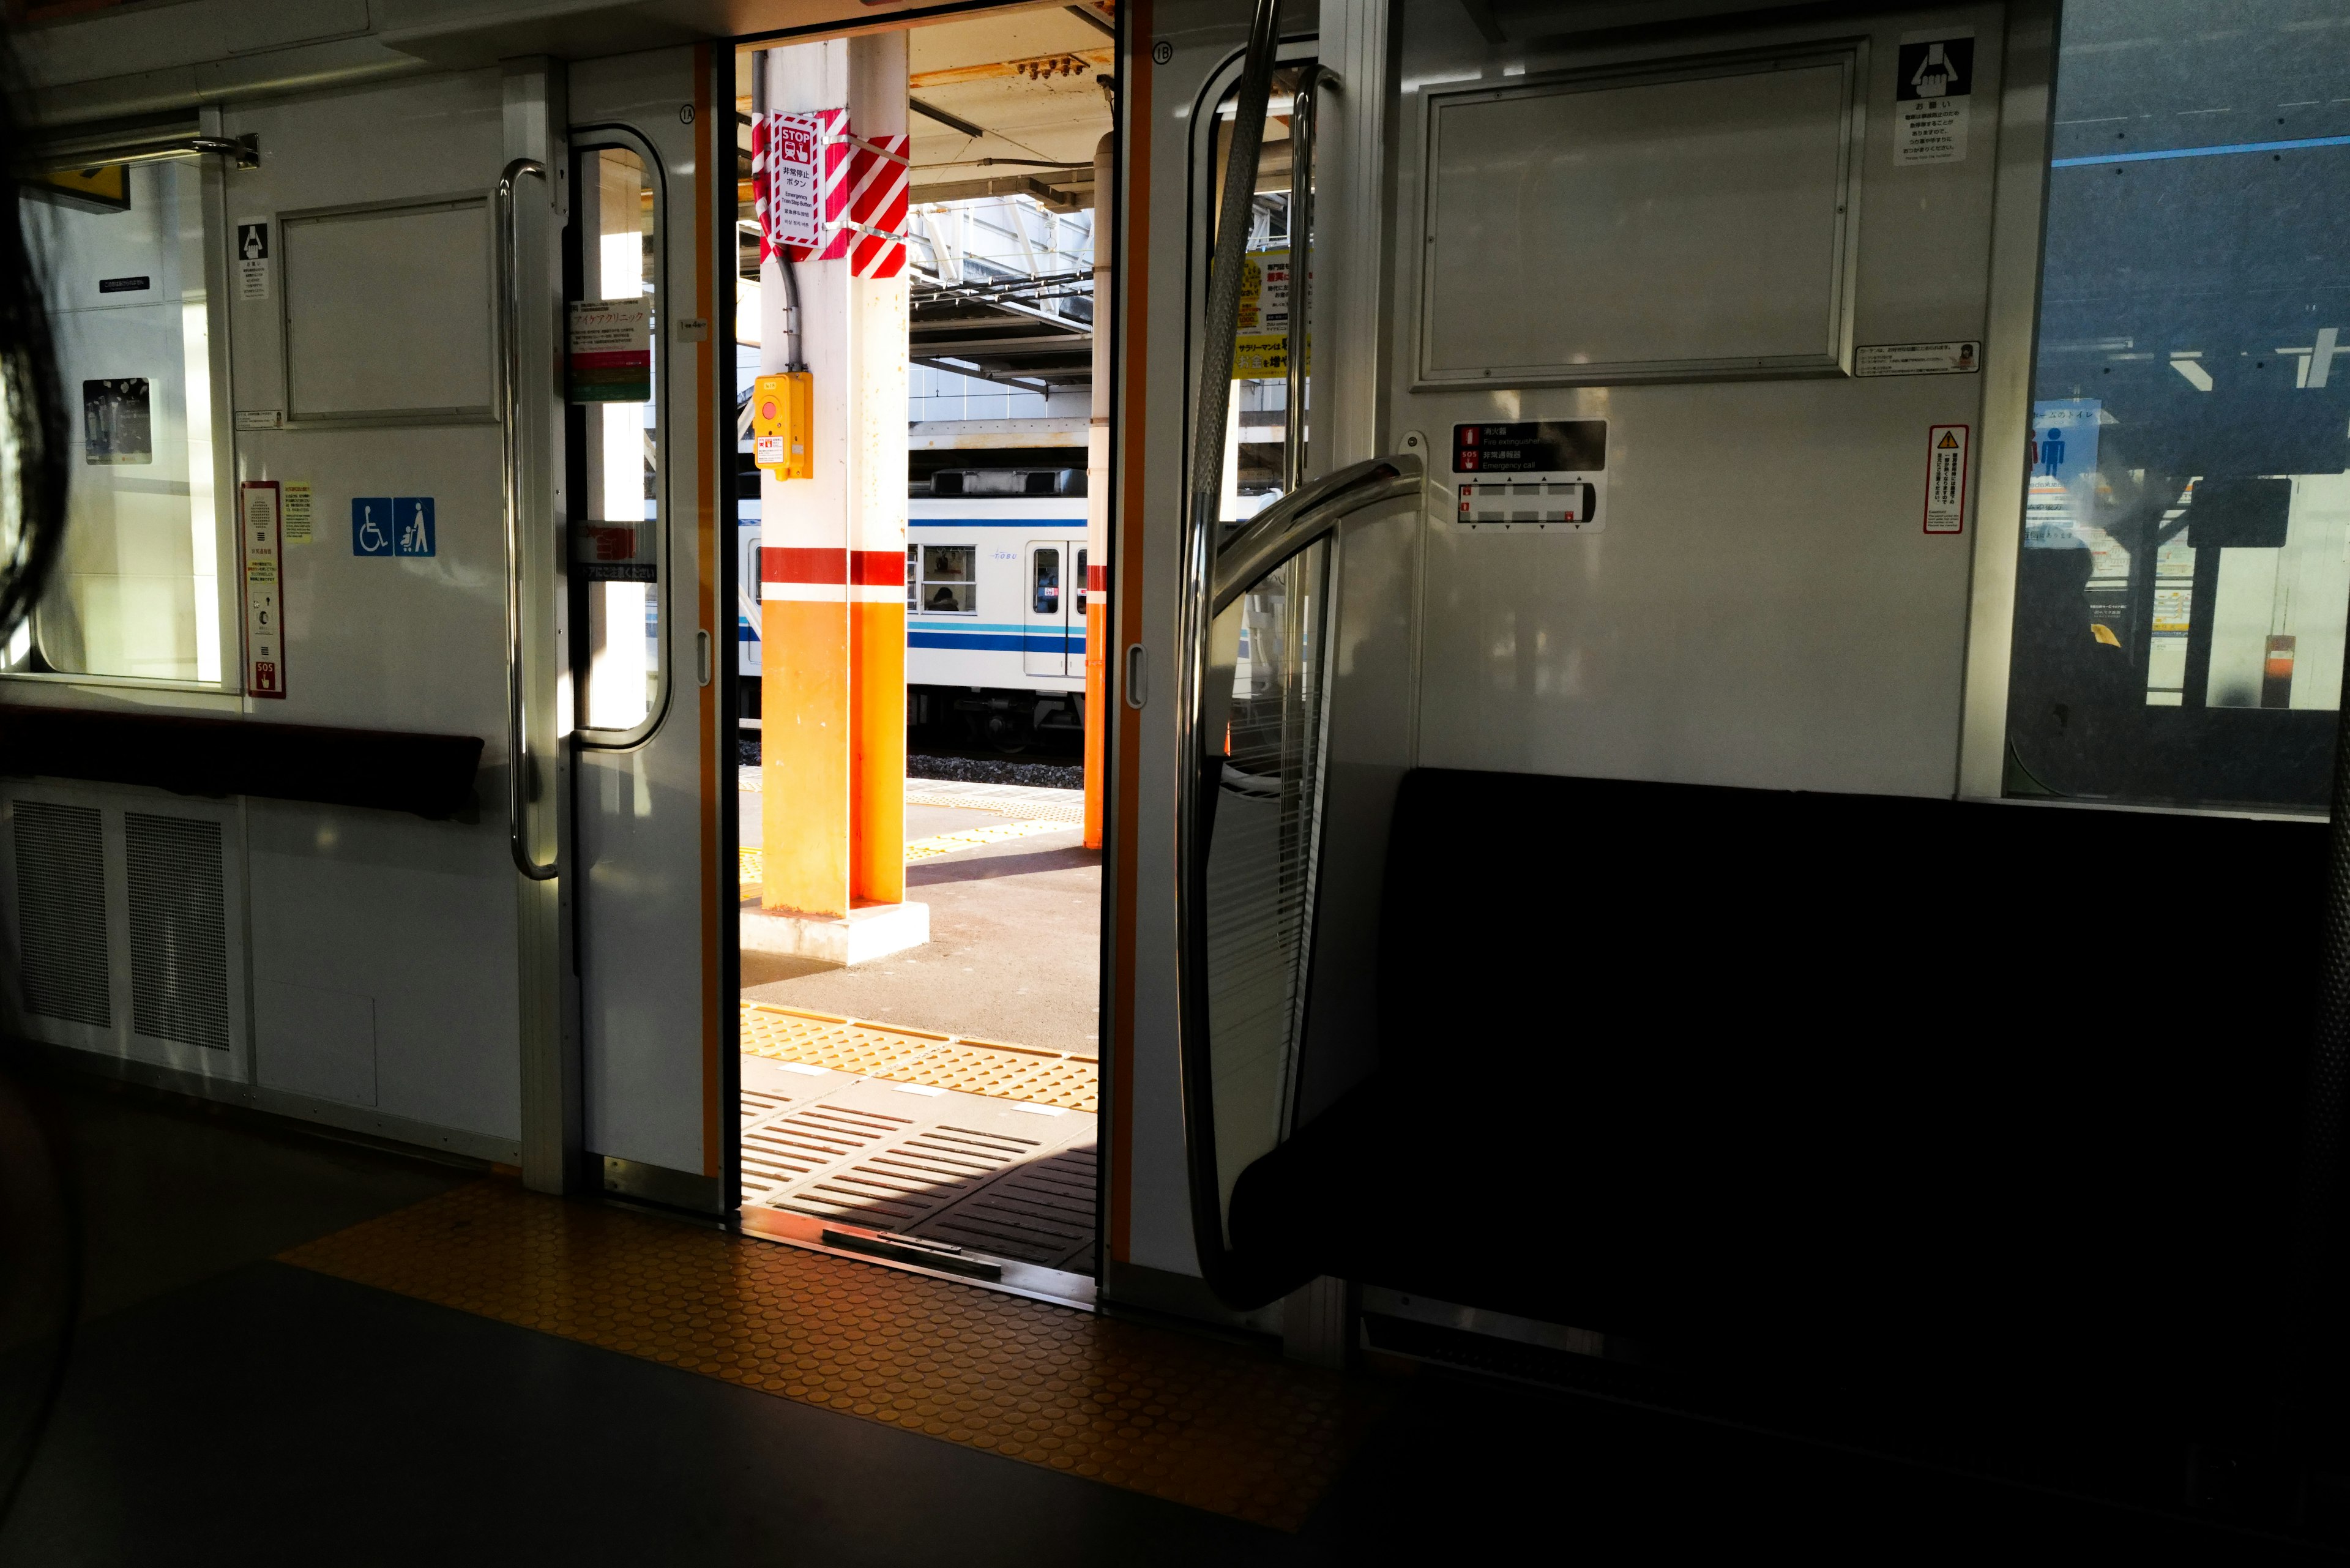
(902, 1055)
(1189, 1419)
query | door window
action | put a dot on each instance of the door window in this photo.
(1080, 584)
(137, 590)
(1048, 582)
(617, 438)
(2186, 563)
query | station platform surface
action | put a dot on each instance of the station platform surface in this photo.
(296, 1349)
(1015, 912)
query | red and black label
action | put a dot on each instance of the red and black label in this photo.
(1530, 446)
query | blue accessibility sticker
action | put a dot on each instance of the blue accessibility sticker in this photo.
(371, 526)
(411, 517)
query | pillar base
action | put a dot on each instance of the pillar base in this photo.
(871, 931)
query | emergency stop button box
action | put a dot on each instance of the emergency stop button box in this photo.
(782, 423)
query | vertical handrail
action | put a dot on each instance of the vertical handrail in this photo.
(1203, 487)
(518, 759)
(1301, 273)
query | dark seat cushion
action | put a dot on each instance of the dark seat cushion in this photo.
(1936, 1083)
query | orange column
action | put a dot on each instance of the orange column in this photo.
(877, 654)
(806, 682)
(1096, 587)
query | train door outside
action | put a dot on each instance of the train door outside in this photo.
(1044, 617)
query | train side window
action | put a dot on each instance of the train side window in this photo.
(948, 579)
(1048, 582)
(1080, 584)
(913, 577)
(2181, 594)
(617, 210)
(138, 592)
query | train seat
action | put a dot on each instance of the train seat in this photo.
(1730, 1065)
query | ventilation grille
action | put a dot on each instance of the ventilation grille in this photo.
(61, 900)
(179, 930)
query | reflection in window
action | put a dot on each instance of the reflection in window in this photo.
(137, 589)
(947, 586)
(2186, 568)
(612, 380)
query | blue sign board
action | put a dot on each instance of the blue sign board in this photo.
(371, 528)
(411, 517)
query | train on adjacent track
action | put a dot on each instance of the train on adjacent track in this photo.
(995, 610)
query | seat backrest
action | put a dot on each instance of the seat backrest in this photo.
(2073, 1037)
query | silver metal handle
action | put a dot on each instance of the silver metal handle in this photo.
(1309, 513)
(59, 157)
(1301, 274)
(519, 767)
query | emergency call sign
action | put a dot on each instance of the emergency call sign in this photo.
(1530, 446)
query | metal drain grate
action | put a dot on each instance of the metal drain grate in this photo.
(913, 1177)
(1042, 1213)
(179, 928)
(757, 1103)
(61, 912)
(799, 1146)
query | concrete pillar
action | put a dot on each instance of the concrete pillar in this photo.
(833, 546)
(1097, 501)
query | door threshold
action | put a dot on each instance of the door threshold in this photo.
(917, 1255)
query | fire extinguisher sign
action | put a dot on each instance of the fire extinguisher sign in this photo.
(1946, 479)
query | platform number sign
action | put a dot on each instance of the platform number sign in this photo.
(261, 543)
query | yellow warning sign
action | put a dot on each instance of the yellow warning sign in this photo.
(1950, 441)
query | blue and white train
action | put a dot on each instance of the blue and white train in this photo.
(995, 617)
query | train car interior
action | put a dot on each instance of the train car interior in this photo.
(1497, 776)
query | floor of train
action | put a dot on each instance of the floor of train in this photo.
(223, 1404)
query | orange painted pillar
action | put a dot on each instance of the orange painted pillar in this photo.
(1096, 587)
(833, 552)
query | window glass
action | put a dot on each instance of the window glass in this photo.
(1048, 582)
(2186, 565)
(137, 590)
(913, 577)
(612, 380)
(1080, 584)
(1256, 435)
(948, 588)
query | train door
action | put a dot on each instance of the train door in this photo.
(1045, 616)
(649, 617)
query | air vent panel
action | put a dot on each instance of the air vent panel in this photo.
(179, 928)
(61, 904)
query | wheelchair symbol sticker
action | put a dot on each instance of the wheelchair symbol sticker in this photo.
(372, 526)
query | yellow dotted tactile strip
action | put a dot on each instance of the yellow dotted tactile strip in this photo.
(1193, 1420)
(902, 1055)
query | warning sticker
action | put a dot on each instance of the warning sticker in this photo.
(259, 546)
(1933, 86)
(1916, 359)
(1946, 479)
(252, 258)
(297, 511)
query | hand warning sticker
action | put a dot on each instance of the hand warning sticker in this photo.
(261, 548)
(1933, 88)
(1946, 479)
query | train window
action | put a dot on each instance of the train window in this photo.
(616, 211)
(2185, 566)
(913, 577)
(1048, 582)
(1255, 441)
(137, 590)
(1080, 584)
(948, 579)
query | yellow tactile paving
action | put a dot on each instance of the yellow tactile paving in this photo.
(844, 1045)
(1189, 1419)
(913, 1057)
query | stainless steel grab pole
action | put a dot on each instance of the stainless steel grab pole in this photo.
(520, 768)
(1301, 273)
